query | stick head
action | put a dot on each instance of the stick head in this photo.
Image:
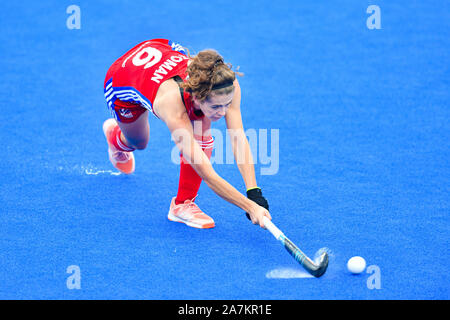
(321, 265)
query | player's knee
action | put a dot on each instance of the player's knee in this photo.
(138, 144)
(141, 145)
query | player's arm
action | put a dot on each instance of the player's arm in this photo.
(241, 149)
(182, 133)
(239, 142)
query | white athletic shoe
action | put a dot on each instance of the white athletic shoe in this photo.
(189, 213)
(121, 160)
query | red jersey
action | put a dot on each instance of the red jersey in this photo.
(135, 77)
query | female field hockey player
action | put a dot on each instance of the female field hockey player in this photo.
(187, 93)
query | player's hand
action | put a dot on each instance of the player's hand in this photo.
(256, 215)
(255, 195)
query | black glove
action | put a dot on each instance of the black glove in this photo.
(255, 195)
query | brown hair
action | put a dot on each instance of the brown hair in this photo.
(206, 71)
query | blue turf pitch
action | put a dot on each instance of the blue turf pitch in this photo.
(363, 119)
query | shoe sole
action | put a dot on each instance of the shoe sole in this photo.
(171, 217)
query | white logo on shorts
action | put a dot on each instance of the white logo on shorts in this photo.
(125, 113)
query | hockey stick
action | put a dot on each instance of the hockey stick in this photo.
(316, 269)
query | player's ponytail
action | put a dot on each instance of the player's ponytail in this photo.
(208, 73)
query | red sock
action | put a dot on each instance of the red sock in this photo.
(115, 139)
(190, 181)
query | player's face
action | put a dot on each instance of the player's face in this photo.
(215, 106)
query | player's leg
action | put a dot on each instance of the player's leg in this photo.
(129, 132)
(182, 208)
(190, 181)
(136, 134)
